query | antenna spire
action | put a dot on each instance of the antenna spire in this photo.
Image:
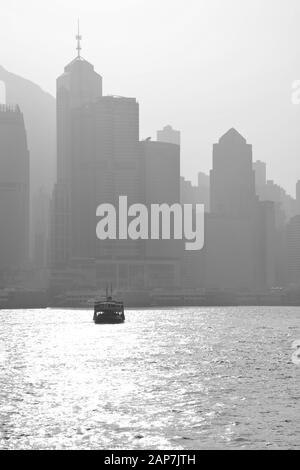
(78, 38)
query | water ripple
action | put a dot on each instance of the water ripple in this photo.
(166, 379)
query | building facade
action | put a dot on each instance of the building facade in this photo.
(169, 135)
(14, 190)
(298, 198)
(239, 231)
(293, 251)
(99, 159)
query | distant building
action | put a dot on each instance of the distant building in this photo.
(285, 209)
(232, 179)
(161, 162)
(268, 247)
(14, 189)
(78, 86)
(169, 135)
(193, 267)
(41, 212)
(293, 250)
(40, 126)
(99, 159)
(239, 231)
(260, 170)
(106, 165)
(298, 197)
(267, 190)
(38, 108)
(199, 194)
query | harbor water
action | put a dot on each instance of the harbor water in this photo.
(185, 378)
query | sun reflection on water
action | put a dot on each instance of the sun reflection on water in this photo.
(182, 379)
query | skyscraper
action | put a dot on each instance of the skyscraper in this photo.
(298, 197)
(268, 190)
(193, 272)
(162, 258)
(100, 159)
(169, 135)
(76, 87)
(232, 179)
(260, 170)
(293, 250)
(199, 194)
(14, 189)
(106, 164)
(38, 108)
(240, 230)
(40, 229)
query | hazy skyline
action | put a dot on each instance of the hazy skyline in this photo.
(201, 66)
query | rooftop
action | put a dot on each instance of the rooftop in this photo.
(232, 136)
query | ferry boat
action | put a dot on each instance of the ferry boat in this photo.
(109, 311)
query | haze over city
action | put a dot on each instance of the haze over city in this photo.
(149, 227)
(201, 66)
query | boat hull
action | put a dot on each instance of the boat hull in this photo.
(108, 321)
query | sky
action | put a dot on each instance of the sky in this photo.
(202, 66)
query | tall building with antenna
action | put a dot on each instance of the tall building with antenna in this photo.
(99, 158)
(78, 86)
